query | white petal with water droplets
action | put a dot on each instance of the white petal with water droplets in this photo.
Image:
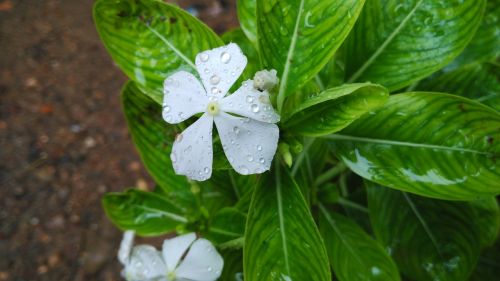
(250, 102)
(202, 262)
(175, 248)
(249, 145)
(145, 263)
(183, 97)
(192, 153)
(219, 68)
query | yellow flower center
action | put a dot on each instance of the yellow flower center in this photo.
(213, 108)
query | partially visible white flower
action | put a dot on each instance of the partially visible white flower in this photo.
(183, 258)
(265, 79)
(245, 120)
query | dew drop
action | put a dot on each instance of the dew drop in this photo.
(233, 73)
(206, 170)
(259, 147)
(250, 158)
(255, 108)
(209, 269)
(225, 57)
(173, 157)
(168, 118)
(214, 80)
(166, 109)
(207, 71)
(236, 130)
(188, 149)
(204, 57)
(138, 264)
(214, 90)
(262, 160)
(249, 99)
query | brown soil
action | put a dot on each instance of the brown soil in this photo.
(63, 140)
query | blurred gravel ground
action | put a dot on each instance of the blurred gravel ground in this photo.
(63, 139)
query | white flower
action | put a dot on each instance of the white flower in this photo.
(265, 79)
(183, 258)
(245, 120)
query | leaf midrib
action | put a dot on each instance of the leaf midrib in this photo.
(291, 50)
(402, 143)
(165, 213)
(384, 45)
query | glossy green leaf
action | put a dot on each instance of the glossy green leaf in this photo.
(396, 43)
(153, 139)
(333, 109)
(147, 213)
(247, 16)
(227, 225)
(354, 255)
(298, 37)
(429, 239)
(475, 81)
(149, 39)
(435, 145)
(281, 238)
(485, 46)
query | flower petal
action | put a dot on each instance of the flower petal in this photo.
(126, 246)
(183, 97)
(219, 68)
(202, 262)
(174, 249)
(192, 153)
(250, 102)
(249, 145)
(145, 263)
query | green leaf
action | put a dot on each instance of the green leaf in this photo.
(488, 219)
(488, 267)
(429, 239)
(228, 224)
(396, 43)
(333, 109)
(233, 265)
(435, 145)
(281, 239)
(246, 10)
(153, 139)
(475, 81)
(146, 213)
(150, 39)
(485, 46)
(354, 255)
(298, 37)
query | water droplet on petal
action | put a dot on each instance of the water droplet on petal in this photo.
(207, 71)
(206, 170)
(262, 160)
(166, 108)
(250, 158)
(173, 157)
(236, 130)
(204, 57)
(249, 99)
(209, 269)
(214, 80)
(188, 149)
(168, 118)
(255, 108)
(259, 147)
(225, 57)
(214, 90)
